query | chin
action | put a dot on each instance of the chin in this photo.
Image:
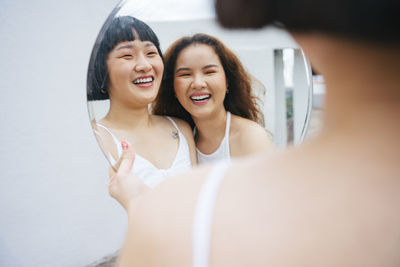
(150, 95)
(146, 100)
(203, 114)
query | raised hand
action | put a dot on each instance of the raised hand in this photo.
(124, 185)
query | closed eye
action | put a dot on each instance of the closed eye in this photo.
(152, 53)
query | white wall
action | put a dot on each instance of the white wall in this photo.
(54, 205)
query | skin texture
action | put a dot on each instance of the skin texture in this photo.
(128, 117)
(331, 202)
(198, 71)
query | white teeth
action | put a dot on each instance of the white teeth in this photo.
(145, 80)
(200, 97)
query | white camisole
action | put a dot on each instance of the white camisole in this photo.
(223, 151)
(203, 216)
(150, 174)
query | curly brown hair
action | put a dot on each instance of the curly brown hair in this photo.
(239, 101)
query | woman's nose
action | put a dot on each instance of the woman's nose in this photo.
(142, 64)
(198, 82)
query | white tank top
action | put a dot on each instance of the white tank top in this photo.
(222, 152)
(143, 168)
(203, 216)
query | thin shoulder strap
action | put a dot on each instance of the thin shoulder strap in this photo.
(203, 216)
(116, 141)
(228, 123)
(173, 122)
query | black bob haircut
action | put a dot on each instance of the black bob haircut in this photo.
(115, 30)
(365, 20)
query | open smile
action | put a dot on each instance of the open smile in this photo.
(144, 81)
(200, 98)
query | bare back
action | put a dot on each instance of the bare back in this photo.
(272, 206)
(308, 209)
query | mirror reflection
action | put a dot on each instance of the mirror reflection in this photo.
(207, 96)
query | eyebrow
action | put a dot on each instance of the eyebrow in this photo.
(125, 46)
(205, 67)
(129, 46)
(210, 66)
(181, 69)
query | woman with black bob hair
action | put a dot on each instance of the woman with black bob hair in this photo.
(207, 86)
(114, 31)
(333, 201)
(127, 68)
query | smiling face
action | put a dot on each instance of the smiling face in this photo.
(199, 81)
(135, 71)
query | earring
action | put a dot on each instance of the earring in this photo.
(103, 84)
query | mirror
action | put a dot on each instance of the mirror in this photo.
(270, 55)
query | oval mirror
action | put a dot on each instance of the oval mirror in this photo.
(281, 72)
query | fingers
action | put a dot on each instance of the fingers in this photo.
(125, 162)
(124, 185)
(127, 158)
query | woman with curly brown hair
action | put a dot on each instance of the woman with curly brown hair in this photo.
(207, 86)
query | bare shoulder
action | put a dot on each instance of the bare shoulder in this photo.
(105, 139)
(160, 227)
(247, 129)
(186, 130)
(248, 136)
(183, 126)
